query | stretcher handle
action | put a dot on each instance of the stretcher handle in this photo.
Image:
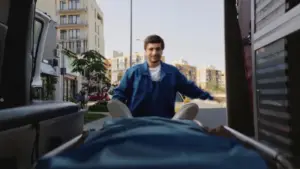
(275, 155)
(64, 147)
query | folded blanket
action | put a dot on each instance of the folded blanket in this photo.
(155, 143)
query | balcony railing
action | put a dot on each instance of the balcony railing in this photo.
(77, 50)
(72, 38)
(72, 24)
(72, 9)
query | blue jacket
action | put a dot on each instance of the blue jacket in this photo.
(136, 86)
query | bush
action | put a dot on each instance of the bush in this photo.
(89, 117)
(99, 107)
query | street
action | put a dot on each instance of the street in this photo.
(210, 115)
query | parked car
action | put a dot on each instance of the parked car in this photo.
(99, 96)
(180, 101)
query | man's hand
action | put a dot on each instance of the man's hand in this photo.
(218, 99)
(220, 131)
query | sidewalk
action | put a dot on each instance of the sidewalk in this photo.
(90, 103)
(104, 113)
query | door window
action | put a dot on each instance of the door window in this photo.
(178, 98)
(38, 26)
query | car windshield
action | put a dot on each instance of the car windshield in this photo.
(178, 98)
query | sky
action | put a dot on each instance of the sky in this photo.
(192, 29)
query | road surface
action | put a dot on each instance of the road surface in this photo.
(210, 115)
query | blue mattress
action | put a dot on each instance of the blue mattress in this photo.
(155, 143)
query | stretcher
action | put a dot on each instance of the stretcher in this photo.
(272, 157)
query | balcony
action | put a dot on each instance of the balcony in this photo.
(73, 9)
(64, 38)
(76, 24)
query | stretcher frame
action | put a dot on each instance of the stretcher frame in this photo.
(273, 158)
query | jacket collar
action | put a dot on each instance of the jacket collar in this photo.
(164, 69)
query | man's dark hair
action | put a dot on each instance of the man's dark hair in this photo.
(154, 39)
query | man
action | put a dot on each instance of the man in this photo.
(83, 98)
(149, 89)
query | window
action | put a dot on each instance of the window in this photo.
(95, 27)
(96, 40)
(292, 4)
(77, 33)
(69, 45)
(38, 26)
(73, 4)
(98, 43)
(84, 46)
(63, 34)
(73, 47)
(78, 47)
(74, 19)
(74, 33)
(62, 5)
(63, 19)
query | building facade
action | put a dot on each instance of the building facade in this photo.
(188, 70)
(201, 78)
(80, 25)
(120, 63)
(223, 80)
(79, 29)
(210, 77)
(72, 82)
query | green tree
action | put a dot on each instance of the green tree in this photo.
(91, 64)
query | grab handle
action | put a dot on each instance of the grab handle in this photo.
(271, 153)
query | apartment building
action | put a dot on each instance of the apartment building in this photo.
(80, 25)
(223, 80)
(120, 63)
(201, 79)
(206, 77)
(188, 70)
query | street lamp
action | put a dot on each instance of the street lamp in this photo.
(130, 55)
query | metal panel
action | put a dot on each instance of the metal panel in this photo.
(282, 26)
(268, 11)
(276, 76)
(272, 103)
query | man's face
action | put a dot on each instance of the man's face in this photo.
(154, 52)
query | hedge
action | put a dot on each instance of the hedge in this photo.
(89, 117)
(99, 107)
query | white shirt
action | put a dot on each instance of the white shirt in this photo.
(155, 73)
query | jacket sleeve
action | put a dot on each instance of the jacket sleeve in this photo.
(122, 92)
(188, 88)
